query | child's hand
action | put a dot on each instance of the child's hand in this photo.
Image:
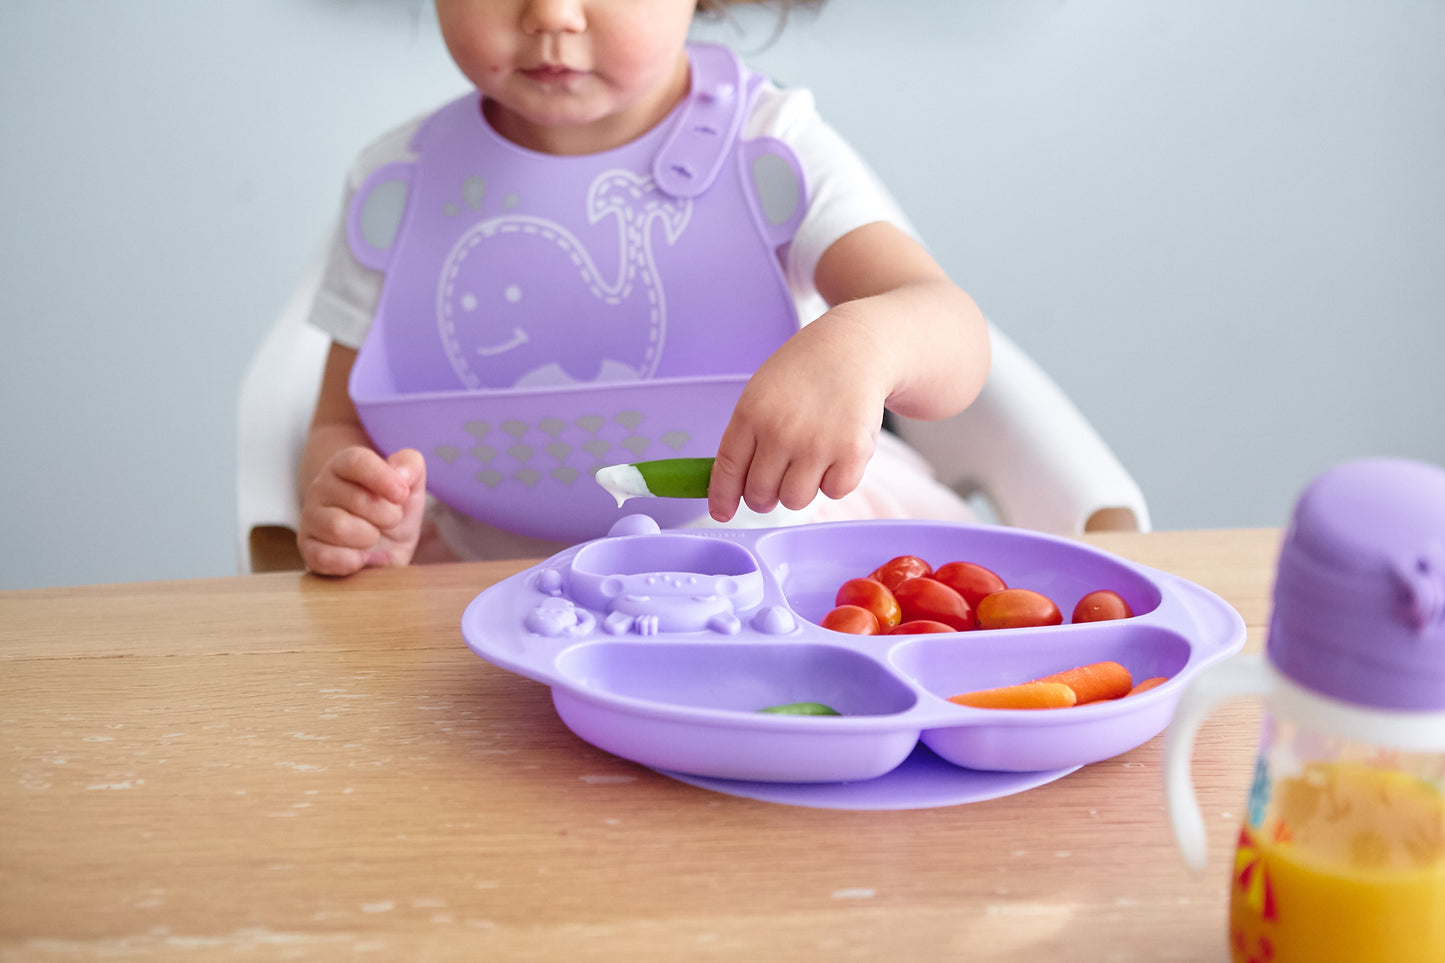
(900, 334)
(362, 510)
(807, 422)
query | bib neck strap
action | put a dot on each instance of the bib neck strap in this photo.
(711, 117)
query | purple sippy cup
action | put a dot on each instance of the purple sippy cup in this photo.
(1341, 856)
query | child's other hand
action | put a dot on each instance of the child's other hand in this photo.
(363, 510)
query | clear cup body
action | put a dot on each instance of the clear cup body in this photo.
(1341, 856)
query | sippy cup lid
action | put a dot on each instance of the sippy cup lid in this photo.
(1359, 595)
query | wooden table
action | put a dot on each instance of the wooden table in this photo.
(287, 767)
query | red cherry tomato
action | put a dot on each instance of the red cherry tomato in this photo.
(920, 627)
(923, 598)
(895, 572)
(873, 596)
(973, 582)
(1102, 606)
(1016, 608)
(853, 619)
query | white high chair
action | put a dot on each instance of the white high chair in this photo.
(278, 396)
(1022, 453)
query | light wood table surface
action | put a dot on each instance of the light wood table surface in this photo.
(287, 767)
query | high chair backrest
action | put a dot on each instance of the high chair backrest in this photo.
(1023, 452)
(278, 395)
(1029, 454)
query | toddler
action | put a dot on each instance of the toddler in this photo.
(872, 320)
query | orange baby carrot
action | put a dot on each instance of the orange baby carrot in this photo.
(1095, 682)
(1028, 695)
(1148, 684)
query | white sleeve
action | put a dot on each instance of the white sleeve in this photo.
(350, 291)
(843, 192)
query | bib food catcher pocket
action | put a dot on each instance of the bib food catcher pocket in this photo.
(543, 316)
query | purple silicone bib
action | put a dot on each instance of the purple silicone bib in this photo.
(545, 315)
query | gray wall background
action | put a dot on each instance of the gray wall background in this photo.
(1220, 225)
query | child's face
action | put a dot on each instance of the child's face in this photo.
(571, 76)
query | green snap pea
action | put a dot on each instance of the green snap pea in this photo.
(802, 709)
(667, 478)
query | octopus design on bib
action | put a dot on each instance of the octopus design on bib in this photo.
(503, 327)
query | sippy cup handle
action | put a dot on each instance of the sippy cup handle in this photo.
(1243, 675)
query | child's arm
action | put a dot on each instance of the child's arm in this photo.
(900, 334)
(359, 509)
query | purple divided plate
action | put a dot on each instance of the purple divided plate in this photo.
(922, 781)
(661, 647)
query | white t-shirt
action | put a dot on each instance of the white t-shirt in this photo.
(843, 195)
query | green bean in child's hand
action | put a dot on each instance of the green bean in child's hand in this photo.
(665, 478)
(802, 709)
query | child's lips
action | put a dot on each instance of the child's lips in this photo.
(551, 73)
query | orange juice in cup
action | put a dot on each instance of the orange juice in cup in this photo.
(1348, 863)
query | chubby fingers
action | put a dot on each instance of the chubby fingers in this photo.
(778, 477)
(766, 477)
(324, 558)
(355, 499)
(388, 480)
(334, 541)
(802, 477)
(360, 482)
(410, 468)
(729, 474)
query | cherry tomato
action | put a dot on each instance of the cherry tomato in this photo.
(1016, 608)
(923, 598)
(920, 627)
(971, 581)
(853, 619)
(873, 596)
(1102, 606)
(895, 572)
